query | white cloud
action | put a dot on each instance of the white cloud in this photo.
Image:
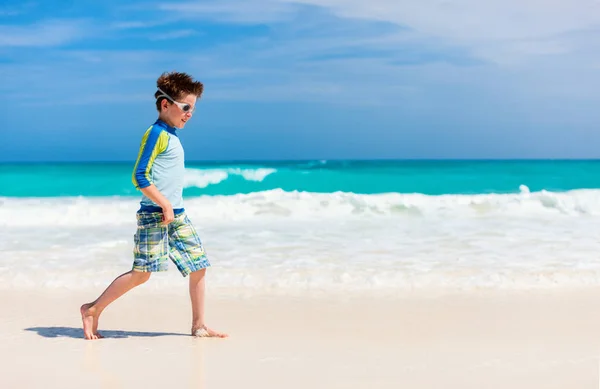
(504, 50)
(492, 29)
(138, 24)
(132, 25)
(175, 34)
(49, 33)
(505, 32)
(263, 11)
(473, 20)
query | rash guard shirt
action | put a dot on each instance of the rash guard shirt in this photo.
(160, 162)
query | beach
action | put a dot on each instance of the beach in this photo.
(452, 279)
(463, 340)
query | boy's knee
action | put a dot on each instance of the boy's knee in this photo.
(140, 277)
(199, 273)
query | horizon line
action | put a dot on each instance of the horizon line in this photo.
(246, 161)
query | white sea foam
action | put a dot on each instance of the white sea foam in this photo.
(294, 242)
(201, 178)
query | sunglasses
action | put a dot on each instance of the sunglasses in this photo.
(183, 106)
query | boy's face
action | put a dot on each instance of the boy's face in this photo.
(174, 114)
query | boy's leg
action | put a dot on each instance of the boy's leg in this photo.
(90, 312)
(150, 254)
(197, 289)
(190, 258)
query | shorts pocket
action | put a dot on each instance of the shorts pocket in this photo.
(150, 243)
(150, 220)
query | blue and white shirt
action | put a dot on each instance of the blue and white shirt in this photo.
(160, 162)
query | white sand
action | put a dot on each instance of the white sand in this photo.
(517, 340)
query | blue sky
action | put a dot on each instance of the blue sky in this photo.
(308, 79)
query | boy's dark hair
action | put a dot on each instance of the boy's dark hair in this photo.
(177, 84)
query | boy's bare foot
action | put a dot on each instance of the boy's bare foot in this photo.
(205, 332)
(90, 322)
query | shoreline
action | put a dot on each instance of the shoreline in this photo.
(516, 339)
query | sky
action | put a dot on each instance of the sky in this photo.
(306, 79)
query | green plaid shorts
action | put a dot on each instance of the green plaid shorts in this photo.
(155, 244)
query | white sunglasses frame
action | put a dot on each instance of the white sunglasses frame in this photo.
(177, 103)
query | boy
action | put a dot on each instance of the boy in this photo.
(163, 229)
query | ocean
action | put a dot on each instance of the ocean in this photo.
(297, 227)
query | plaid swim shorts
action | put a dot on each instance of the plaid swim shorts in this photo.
(155, 243)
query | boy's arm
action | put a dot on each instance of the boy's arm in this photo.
(153, 143)
(154, 194)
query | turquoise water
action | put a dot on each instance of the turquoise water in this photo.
(361, 177)
(296, 228)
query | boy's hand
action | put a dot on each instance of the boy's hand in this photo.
(168, 215)
(167, 209)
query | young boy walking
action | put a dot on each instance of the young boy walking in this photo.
(164, 231)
